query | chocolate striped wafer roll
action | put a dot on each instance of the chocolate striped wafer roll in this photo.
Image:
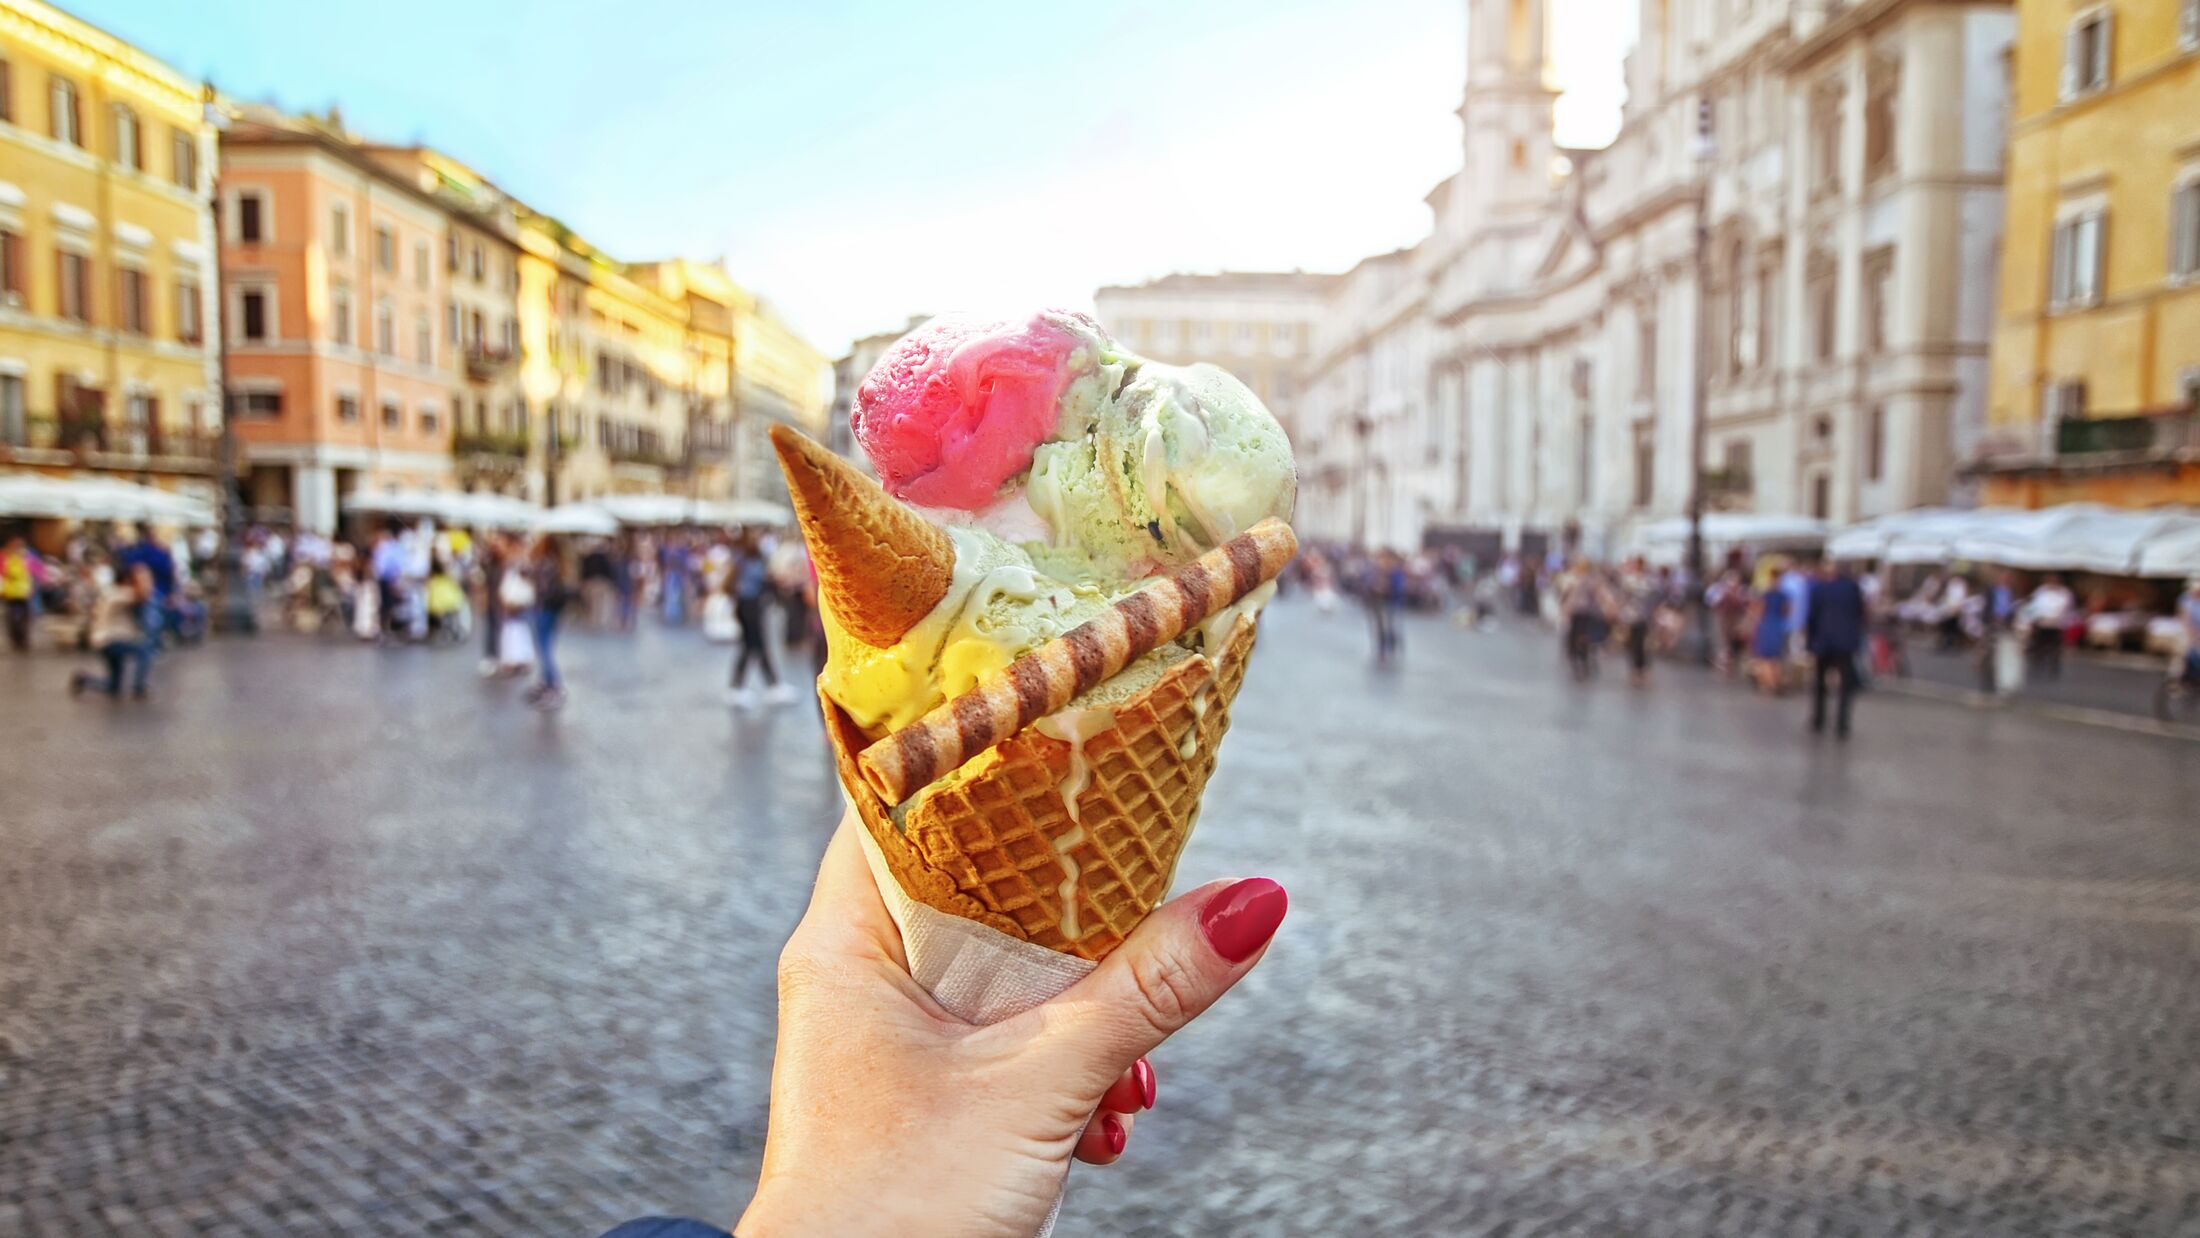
(1054, 674)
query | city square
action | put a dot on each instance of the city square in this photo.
(329, 939)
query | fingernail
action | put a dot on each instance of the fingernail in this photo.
(1148, 1085)
(1241, 918)
(1111, 1129)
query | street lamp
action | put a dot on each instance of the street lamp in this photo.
(234, 613)
(1700, 402)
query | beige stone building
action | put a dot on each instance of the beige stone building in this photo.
(1843, 166)
(1259, 325)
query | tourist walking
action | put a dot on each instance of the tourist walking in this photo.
(1833, 631)
(1639, 595)
(22, 575)
(546, 573)
(1582, 616)
(1769, 640)
(1385, 598)
(2046, 616)
(751, 589)
(125, 626)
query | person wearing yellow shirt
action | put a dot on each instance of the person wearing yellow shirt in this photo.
(21, 574)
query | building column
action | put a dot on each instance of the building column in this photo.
(313, 498)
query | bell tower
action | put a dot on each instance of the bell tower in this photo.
(1507, 109)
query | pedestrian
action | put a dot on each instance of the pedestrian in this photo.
(1582, 615)
(1384, 595)
(1833, 632)
(1769, 639)
(2046, 615)
(22, 575)
(125, 625)
(1639, 593)
(149, 552)
(546, 572)
(790, 571)
(494, 553)
(751, 589)
(516, 604)
(1730, 603)
(386, 566)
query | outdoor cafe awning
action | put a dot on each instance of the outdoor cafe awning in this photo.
(98, 498)
(2074, 537)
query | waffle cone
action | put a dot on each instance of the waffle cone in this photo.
(880, 566)
(990, 845)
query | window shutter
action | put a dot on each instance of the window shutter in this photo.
(2096, 259)
(2070, 62)
(2185, 238)
(2188, 24)
(2104, 39)
(2058, 265)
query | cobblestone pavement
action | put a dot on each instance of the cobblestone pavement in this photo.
(327, 940)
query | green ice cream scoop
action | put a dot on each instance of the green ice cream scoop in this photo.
(1175, 462)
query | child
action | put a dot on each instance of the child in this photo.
(446, 603)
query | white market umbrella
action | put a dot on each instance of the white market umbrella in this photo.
(2075, 537)
(98, 498)
(398, 502)
(491, 511)
(582, 518)
(2174, 553)
(742, 511)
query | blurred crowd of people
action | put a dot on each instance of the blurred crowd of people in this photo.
(1778, 620)
(126, 594)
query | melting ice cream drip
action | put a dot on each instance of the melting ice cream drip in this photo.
(1073, 727)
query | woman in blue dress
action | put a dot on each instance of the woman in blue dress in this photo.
(1769, 645)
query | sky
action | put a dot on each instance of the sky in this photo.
(858, 161)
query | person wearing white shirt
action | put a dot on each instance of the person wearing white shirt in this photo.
(2046, 614)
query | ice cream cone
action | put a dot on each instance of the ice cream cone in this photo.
(1067, 843)
(880, 566)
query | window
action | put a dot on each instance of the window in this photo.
(450, 251)
(479, 262)
(423, 339)
(12, 427)
(2060, 401)
(2074, 267)
(1882, 91)
(65, 117)
(1825, 137)
(339, 315)
(1878, 300)
(127, 147)
(11, 267)
(252, 315)
(2184, 235)
(511, 337)
(476, 327)
(347, 407)
(420, 264)
(190, 326)
(385, 249)
(1768, 310)
(1737, 458)
(252, 217)
(1646, 355)
(385, 330)
(393, 414)
(1646, 469)
(75, 273)
(7, 98)
(339, 229)
(428, 417)
(130, 300)
(450, 321)
(258, 404)
(1738, 356)
(1824, 298)
(2086, 54)
(1821, 497)
(1875, 443)
(183, 159)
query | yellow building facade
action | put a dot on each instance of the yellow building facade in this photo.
(108, 322)
(2095, 392)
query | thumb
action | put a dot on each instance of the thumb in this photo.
(1172, 968)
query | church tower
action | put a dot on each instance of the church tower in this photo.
(1507, 110)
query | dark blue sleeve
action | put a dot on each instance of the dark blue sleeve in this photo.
(666, 1227)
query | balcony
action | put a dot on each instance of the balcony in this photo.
(647, 455)
(1730, 489)
(485, 363)
(90, 441)
(512, 446)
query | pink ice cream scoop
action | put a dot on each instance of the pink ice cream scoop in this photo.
(956, 407)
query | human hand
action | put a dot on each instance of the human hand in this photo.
(891, 1116)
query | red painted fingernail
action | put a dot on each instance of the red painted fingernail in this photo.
(1111, 1129)
(1148, 1084)
(1241, 918)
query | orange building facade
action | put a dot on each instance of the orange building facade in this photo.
(333, 283)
